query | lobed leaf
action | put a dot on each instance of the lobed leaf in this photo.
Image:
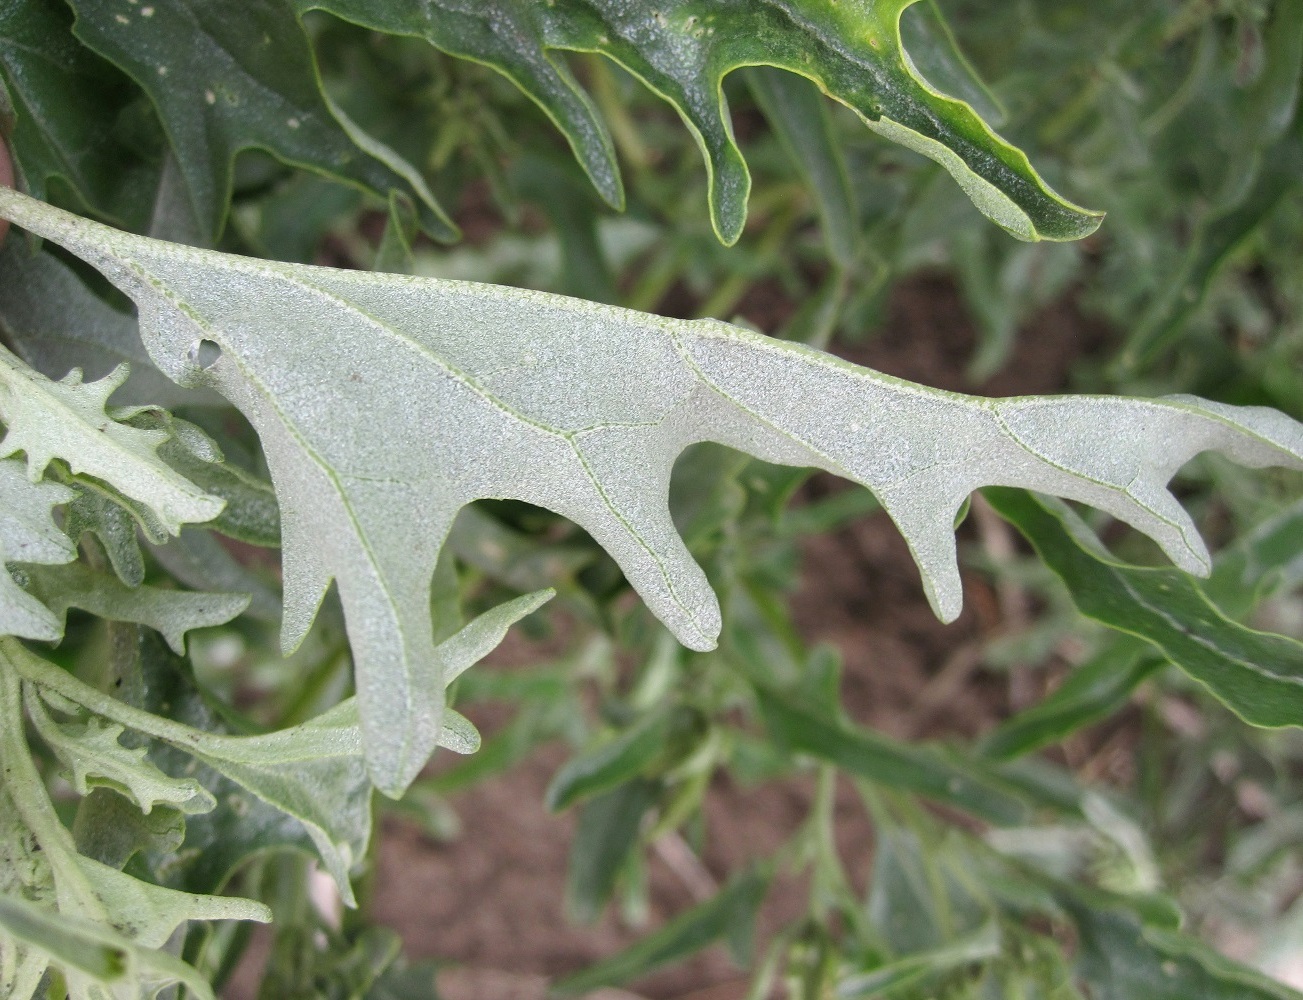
(684, 49)
(387, 403)
(93, 753)
(55, 323)
(172, 613)
(67, 420)
(63, 103)
(28, 534)
(95, 904)
(226, 76)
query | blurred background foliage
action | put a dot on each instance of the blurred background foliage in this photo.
(1003, 865)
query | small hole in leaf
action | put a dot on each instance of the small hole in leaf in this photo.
(205, 353)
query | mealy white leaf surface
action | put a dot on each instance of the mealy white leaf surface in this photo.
(386, 403)
(67, 420)
(41, 866)
(28, 534)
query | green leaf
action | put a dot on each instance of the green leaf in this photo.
(1123, 957)
(96, 511)
(55, 323)
(67, 420)
(799, 117)
(930, 771)
(1262, 562)
(685, 935)
(28, 534)
(612, 763)
(197, 559)
(979, 946)
(92, 752)
(86, 947)
(225, 76)
(386, 403)
(1257, 675)
(937, 58)
(683, 50)
(1094, 690)
(312, 773)
(1214, 242)
(173, 613)
(605, 838)
(94, 902)
(66, 102)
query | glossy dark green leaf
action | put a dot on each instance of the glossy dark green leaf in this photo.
(925, 770)
(683, 50)
(227, 76)
(606, 836)
(799, 116)
(1257, 675)
(65, 102)
(938, 58)
(682, 936)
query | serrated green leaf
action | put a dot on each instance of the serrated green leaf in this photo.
(28, 534)
(583, 408)
(249, 513)
(683, 50)
(172, 613)
(1256, 675)
(67, 420)
(689, 932)
(226, 76)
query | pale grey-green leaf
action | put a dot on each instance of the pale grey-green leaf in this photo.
(67, 420)
(92, 751)
(94, 901)
(28, 534)
(55, 323)
(173, 613)
(386, 403)
(314, 773)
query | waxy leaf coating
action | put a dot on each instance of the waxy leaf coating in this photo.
(386, 403)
